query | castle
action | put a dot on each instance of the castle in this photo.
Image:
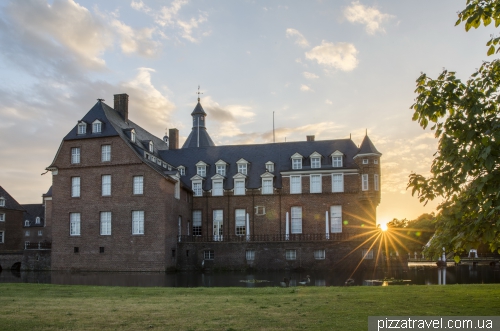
(123, 199)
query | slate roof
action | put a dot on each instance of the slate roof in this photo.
(10, 202)
(192, 139)
(258, 155)
(198, 110)
(49, 192)
(367, 147)
(32, 211)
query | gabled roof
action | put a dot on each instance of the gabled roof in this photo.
(32, 211)
(10, 202)
(367, 147)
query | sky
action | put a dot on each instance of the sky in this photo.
(333, 69)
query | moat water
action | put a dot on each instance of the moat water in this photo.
(414, 275)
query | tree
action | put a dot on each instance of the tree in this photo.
(465, 172)
(411, 236)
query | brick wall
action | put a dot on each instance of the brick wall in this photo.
(13, 230)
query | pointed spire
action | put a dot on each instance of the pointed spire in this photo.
(367, 147)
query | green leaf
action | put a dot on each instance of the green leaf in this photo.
(456, 258)
(491, 50)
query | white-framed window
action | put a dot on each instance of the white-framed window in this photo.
(221, 169)
(2, 217)
(27, 233)
(375, 161)
(267, 186)
(105, 153)
(218, 224)
(96, 127)
(260, 210)
(365, 161)
(151, 147)
(239, 187)
(337, 182)
(217, 189)
(296, 164)
(242, 168)
(319, 254)
(250, 255)
(270, 166)
(201, 171)
(375, 182)
(337, 161)
(240, 221)
(132, 136)
(138, 222)
(315, 162)
(106, 185)
(196, 222)
(26, 223)
(336, 219)
(177, 193)
(2, 237)
(75, 155)
(197, 191)
(82, 128)
(291, 254)
(295, 184)
(74, 224)
(40, 233)
(208, 255)
(364, 182)
(37, 220)
(138, 187)
(315, 184)
(75, 187)
(367, 254)
(182, 171)
(296, 224)
(2, 202)
(105, 223)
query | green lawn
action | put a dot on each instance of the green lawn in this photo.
(61, 307)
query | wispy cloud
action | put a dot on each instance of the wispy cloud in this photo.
(310, 75)
(340, 56)
(305, 88)
(299, 38)
(371, 17)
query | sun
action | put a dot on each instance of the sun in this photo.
(383, 227)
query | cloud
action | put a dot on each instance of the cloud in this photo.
(305, 88)
(328, 102)
(169, 17)
(372, 18)
(299, 38)
(339, 56)
(310, 75)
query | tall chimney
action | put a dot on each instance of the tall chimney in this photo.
(121, 105)
(174, 139)
(310, 138)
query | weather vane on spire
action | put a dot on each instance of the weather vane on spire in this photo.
(199, 93)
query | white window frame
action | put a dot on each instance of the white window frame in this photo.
(75, 155)
(296, 164)
(319, 254)
(2, 217)
(336, 219)
(291, 254)
(97, 126)
(267, 186)
(138, 222)
(239, 187)
(197, 220)
(197, 188)
(367, 254)
(182, 171)
(337, 183)
(218, 188)
(315, 162)
(296, 184)
(375, 161)
(250, 255)
(106, 185)
(105, 153)
(296, 220)
(105, 223)
(240, 222)
(82, 128)
(75, 187)
(315, 183)
(201, 170)
(37, 220)
(27, 233)
(337, 161)
(221, 169)
(270, 166)
(74, 224)
(2, 237)
(26, 223)
(151, 147)
(138, 185)
(365, 161)
(364, 182)
(132, 136)
(40, 233)
(260, 210)
(376, 184)
(208, 254)
(177, 193)
(218, 217)
(242, 168)
(2, 202)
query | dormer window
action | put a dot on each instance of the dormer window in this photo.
(151, 147)
(26, 223)
(197, 183)
(132, 136)
(2, 202)
(242, 166)
(217, 185)
(82, 128)
(239, 184)
(97, 126)
(315, 160)
(337, 158)
(267, 183)
(270, 166)
(37, 220)
(220, 167)
(182, 170)
(297, 161)
(201, 169)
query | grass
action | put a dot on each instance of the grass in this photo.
(63, 307)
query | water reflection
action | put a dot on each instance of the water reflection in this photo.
(417, 275)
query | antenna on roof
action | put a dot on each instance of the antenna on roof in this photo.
(100, 100)
(199, 93)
